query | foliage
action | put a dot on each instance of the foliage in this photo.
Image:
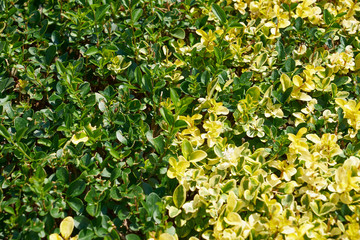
(141, 119)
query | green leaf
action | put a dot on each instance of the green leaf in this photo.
(20, 123)
(290, 65)
(286, 95)
(281, 50)
(180, 124)
(116, 173)
(60, 67)
(114, 153)
(4, 132)
(298, 23)
(121, 138)
(178, 33)
(158, 142)
(219, 13)
(334, 90)
(114, 235)
(40, 173)
(91, 51)
(179, 196)
(5, 83)
(136, 14)
(115, 193)
(62, 175)
(43, 27)
(92, 196)
(152, 201)
(76, 188)
(174, 96)
(84, 88)
(76, 204)
(9, 209)
(133, 3)
(132, 237)
(50, 54)
(197, 156)
(86, 234)
(341, 80)
(328, 17)
(167, 115)
(93, 209)
(101, 12)
(138, 75)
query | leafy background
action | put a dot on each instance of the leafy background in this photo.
(180, 119)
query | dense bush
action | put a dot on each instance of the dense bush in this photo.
(142, 119)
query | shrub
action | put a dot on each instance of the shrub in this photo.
(179, 119)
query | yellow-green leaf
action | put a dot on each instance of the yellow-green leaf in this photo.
(357, 62)
(179, 196)
(231, 202)
(228, 186)
(260, 60)
(254, 93)
(79, 137)
(197, 156)
(173, 211)
(285, 82)
(326, 208)
(66, 227)
(186, 148)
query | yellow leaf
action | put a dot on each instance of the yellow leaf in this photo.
(298, 81)
(301, 132)
(202, 33)
(166, 236)
(172, 162)
(233, 219)
(314, 138)
(66, 227)
(304, 97)
(182, 165)
(55, 236)
(171, 173)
